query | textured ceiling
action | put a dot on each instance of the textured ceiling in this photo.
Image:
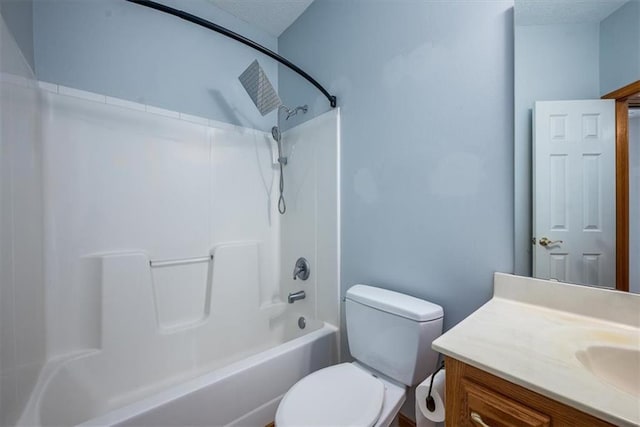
(541, 12)
(273, 16)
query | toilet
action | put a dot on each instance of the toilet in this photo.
(390, 337)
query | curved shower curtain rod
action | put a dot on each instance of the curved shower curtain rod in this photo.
(224, 31)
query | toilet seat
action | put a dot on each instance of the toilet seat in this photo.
(340, 395)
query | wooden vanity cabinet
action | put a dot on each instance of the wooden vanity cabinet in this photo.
(475, 398)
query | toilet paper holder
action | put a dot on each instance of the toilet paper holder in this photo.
(431, 404)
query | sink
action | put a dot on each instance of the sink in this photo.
(617, 366)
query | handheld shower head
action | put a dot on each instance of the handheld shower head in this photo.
(275, 132)
(261, 92)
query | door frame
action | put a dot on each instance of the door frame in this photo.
(621, 96)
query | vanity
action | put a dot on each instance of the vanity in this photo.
(544, 353)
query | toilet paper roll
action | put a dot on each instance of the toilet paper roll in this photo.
(424, 417)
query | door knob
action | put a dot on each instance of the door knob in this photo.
(546, 242)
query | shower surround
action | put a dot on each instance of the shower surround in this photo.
(22, 302)
(130, 188)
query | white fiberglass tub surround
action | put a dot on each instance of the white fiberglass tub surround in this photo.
(135, 338)
(22, 302)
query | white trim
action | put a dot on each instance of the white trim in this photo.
(82, 94)
(123, 103)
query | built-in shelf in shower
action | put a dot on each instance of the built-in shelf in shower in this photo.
(181, 290)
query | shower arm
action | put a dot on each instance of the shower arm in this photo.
(292, 111)
(226, 32)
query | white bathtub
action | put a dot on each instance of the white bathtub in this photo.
(243, 393)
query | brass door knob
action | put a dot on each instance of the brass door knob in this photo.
(544, 241)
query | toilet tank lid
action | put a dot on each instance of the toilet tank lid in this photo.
(395, 303)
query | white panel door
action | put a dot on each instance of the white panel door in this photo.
(574, 191)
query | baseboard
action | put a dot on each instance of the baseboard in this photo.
(404, 421)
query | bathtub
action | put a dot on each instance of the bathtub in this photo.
(226, 360)
(245, 392)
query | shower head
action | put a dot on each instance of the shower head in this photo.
(255, 82)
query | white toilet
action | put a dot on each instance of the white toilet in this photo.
(390, 337)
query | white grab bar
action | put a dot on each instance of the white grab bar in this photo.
(183, 261)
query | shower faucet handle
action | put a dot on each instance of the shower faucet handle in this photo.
(302, 269)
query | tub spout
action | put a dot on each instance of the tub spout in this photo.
(296, 296)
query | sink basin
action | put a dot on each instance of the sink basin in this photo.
(617, 366)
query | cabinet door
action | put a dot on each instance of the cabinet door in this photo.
(485, 407)
(497, 402)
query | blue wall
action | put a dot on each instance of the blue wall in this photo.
(426, 91)
(620, 47)
(128, 51)
(18, 15)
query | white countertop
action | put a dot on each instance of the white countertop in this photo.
(529, 334)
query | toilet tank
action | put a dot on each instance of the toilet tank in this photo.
(392, 332)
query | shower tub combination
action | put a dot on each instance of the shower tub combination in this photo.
(147, 337)
(167, 293)
(175, 352)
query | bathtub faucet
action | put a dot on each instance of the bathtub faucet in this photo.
(296, 296)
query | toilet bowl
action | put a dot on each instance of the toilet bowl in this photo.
(347, 394)
(390, 337)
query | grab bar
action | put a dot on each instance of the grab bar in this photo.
(183, 261)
